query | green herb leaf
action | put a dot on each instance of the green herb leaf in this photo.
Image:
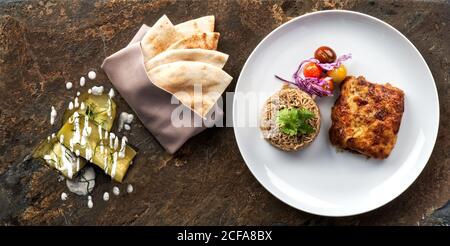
(89, 112)
(293, 121)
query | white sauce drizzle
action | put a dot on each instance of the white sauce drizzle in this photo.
(92, 75)
(78, 164)
(78, 93)
(126, 127)
(70, 105)
(76, 104)
(99, 132)
(88, 154)
(97, 90)
(129, 188)
(53, 114)
(114, 165)
(66, 163)
(82, 106)
(61, 178)
(109, 108)
(90, 203)
(86, 131)
(111, 93)
(116, 190)
(125, 118)
(82, 81)
(64, 196)
(77, 136)
(101, 147)
(105, 196)
(105, 164)
(123, 146)
(47, 158)
(116, 143)
(69, 85)
(90, 91)
(112, 136)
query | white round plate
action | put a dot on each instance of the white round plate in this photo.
(319, 179)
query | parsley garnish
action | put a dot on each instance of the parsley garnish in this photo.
(293, 121)
(89, 112)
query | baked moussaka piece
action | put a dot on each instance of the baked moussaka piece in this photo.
(366, 117)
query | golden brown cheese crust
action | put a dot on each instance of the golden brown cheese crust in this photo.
(366, 117)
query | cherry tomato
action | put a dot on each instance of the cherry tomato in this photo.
(329, 86)
(338, 74)
(312, 70)
(325, 54)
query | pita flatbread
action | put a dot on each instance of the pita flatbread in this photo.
(200, 25)
(206, 40)
(159, 38)
(212, 57)
(184, 79)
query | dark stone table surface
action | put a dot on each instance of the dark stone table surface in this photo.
(45, 43)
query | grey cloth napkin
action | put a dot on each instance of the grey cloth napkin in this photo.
(152, 105)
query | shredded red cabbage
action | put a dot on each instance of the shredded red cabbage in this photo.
(333, 65)
(315, 86)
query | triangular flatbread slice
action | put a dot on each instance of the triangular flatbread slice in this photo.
(206, 40)
(197, 85)
(212, 57)
(159, 38)
(200, 25)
